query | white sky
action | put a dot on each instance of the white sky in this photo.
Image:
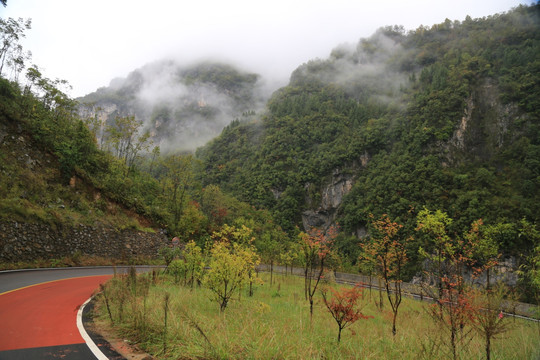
(89, 43)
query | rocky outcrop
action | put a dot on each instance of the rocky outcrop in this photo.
(27, 242)
(486, 125)
(331, 198)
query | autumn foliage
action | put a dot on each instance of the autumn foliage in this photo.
(388, 254)
(344, 307)
(316, 246)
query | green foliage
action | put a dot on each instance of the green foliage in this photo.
(169, 253)
(231, 266)
(320, 123)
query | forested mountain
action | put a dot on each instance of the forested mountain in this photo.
(445, 117)
(181, 106)
(441, 118)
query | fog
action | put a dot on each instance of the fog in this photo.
(182, 106)
(88, 43)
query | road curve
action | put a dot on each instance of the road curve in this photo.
(39, 308)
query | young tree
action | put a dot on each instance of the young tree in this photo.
(270, 246)
(316, 246)
(387, 251)
(484, 249)
(169, 253)
(228, 271)
(529, 271)
(435, 225)
(454, 308)
(194, 260)
(344, 307)
(288, 257)
(489, 320)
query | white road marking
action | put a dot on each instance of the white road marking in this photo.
(89, 342)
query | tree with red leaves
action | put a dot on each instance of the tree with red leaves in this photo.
(387, 251)
(454, 308)
(316, 246)
(344, 307)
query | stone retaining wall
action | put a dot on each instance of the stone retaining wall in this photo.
(27, 242)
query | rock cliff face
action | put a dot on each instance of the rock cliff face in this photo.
(324, 209)
(486, 126)
(331, 198)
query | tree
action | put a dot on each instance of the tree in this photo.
(344, 307)
(194, 260)
(288, 257)
(387, 250)
(454, 308)
(485, 250)
(489, 320)
(529, 271)
(316, 246)
(434, 225)
(11, 32)
(176, 181)
(126, 141)
(229, 269)
(271, 246)
(169, 253)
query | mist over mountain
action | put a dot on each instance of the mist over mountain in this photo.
(182, 106)
(444, 117)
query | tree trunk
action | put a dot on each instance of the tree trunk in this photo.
(488, 347)
(453, 341)
(306, 283)
(339, 335)
(271, 272)
(394, 324)
(311, 309)
(380, 294)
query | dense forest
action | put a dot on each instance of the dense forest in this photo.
(442, 118)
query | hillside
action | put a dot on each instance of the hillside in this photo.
(35, 189)
(445, 117)
(181, 106)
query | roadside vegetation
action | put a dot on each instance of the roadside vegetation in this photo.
(212, 303)
(275, 323)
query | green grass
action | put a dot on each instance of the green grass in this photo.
(275, 324)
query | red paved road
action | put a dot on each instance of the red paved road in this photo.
(44, 315)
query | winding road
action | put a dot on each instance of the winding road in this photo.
(41, 315)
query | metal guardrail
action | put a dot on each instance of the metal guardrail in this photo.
(516, 309)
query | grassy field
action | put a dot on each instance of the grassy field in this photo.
(275, 324)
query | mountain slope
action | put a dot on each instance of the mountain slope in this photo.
(445, 117)
(181, 106)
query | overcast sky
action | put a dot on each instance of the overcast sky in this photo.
(89, 43)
